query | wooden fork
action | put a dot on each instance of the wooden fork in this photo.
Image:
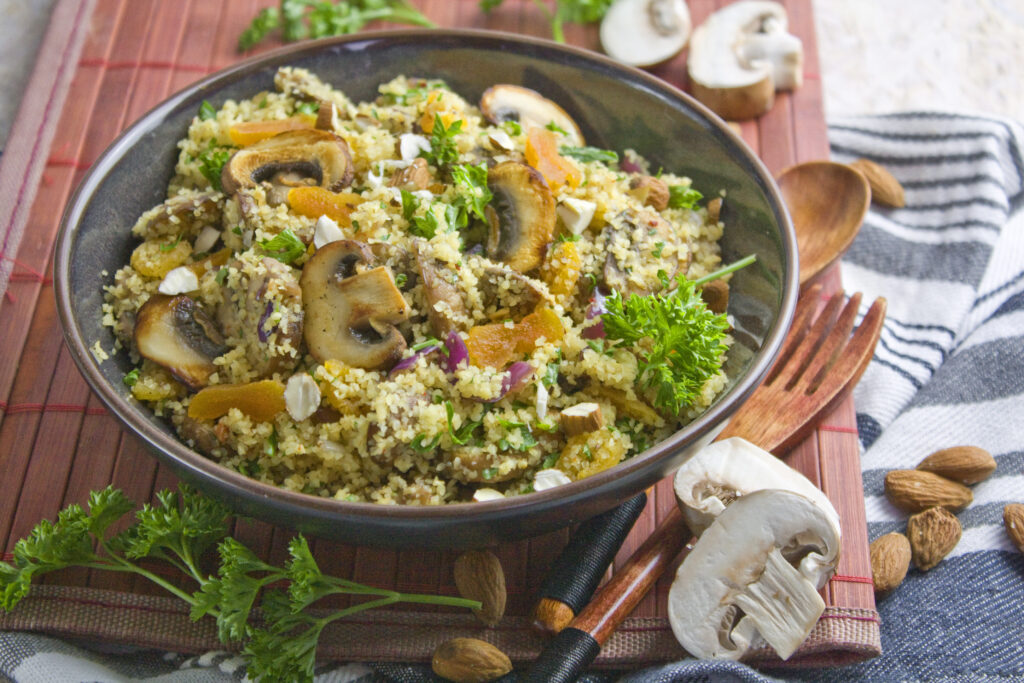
(819, 365)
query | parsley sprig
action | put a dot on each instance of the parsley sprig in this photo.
(301, 19)
(179, 531)
(679, 343)
(577, 11)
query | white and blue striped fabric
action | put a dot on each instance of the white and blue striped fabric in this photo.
(948, 370)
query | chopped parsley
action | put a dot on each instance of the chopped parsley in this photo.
(307, 108)
(567, 237)
(552, 126)
(222, 275)
(131, 378)
(443, 151)
(463, 434)
(550, 461)
(284, 246)
(419, 446)
(589, 154)
(211, 162)
(270, 445)
(471, 182)
(683, 197)
(512, 127)
(170, 246)
(658, 248)
(207, 112)
(401, 279)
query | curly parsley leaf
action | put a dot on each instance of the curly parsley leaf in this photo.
(474, 194)
(683, 197)
(302, 19)
(679, 343)
(443, 151)
(211, 162)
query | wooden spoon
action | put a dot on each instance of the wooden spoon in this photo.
(827, 202)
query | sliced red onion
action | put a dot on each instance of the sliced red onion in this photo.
(407, 363)
(594, 310)
(457, 351)
(516, 377)
(260, 332)
(629, 166)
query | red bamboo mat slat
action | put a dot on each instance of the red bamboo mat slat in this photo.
(57, 442)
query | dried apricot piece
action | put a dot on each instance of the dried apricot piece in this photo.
(214, 261)
(314, 202)
(246, 133)
(562, 268)
(542, 154)
(587, 454)
(435, 105)
(497, 344)
(261, 401)
(542, 323)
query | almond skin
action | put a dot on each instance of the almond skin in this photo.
(966, 464)
(932, 534)
(1013, 520)
(916, 490)
(885, 189)
(468, 660)
(479, 576)
(890, 559)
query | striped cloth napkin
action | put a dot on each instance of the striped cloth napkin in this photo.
(948, 371)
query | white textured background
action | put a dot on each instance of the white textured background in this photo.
(877, 56)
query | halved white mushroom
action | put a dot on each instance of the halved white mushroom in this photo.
(176, 333)
(756, 570)
(741, 55)
(645, 32)
(521, 215)
(722, 472)
(529, 108)
(351, 316)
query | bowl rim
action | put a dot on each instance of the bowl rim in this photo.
(235, 485)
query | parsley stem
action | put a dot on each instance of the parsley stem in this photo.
(725, 270)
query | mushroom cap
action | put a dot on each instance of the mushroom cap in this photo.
(504, 102)
(740, 55)
(175, 333)
(351, 315)
(521, 215)
(767, 554)
(645, 32)
(439, 287)
(726, 470)
(633, 240)
(317, 155)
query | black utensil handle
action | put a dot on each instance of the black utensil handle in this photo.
(575, 574)
(564, 658)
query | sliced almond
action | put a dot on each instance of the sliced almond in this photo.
(582, 418)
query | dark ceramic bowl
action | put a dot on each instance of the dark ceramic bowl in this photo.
(616, 107)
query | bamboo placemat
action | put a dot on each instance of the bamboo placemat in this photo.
(57, 442)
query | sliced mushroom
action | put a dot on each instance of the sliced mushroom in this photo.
(400, 261)
(200, 435)
(175, 333)
(446, 309)
(475, 465)
(510, 291)
(290, 159)
(756, 570)
(504, 102)
(521, 215)
(272, 289)
(183, 214)
(722, 472)
(741, 55)
(633, 241)
(350, 315)
(645, 32)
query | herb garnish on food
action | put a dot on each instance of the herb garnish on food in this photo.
(679, 343)
(301, 19)
(576, 11)
(180, 530)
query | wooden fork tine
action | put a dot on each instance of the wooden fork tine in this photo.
(858, 353)
(809, 343)
(830, 347)
(805, 308)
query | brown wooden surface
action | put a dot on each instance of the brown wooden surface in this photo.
(57, 442)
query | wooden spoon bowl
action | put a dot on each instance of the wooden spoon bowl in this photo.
(827, 202)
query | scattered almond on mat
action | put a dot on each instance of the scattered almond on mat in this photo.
(890, 560)
(916, 491)
(479, 576)
(965, 464)
(1013, 520)
(468, 660)
(885, 189)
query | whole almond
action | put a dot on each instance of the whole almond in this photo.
(479, 576)
(932, 534)
(885, 189)
(917, 490)
(966, 464)
(468, 660)
(1013, 520)
(890, 559)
